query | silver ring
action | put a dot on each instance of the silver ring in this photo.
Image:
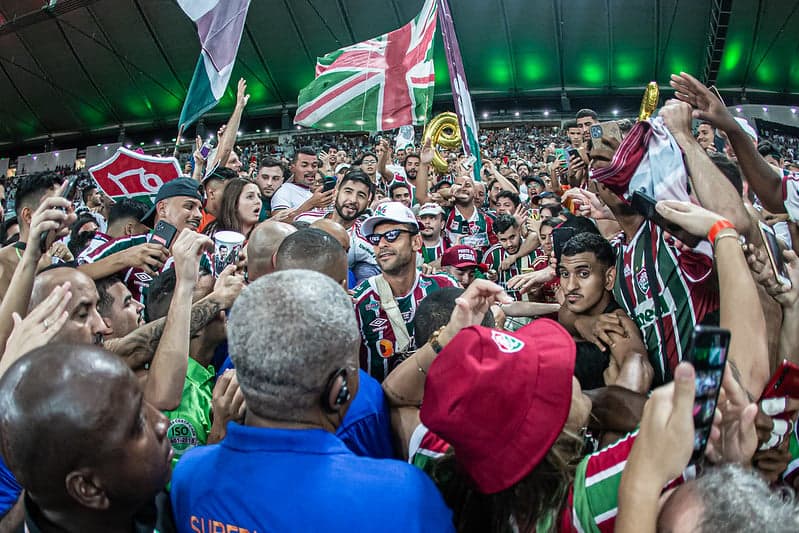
(46, 325)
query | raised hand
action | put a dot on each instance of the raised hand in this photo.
(228, 286)
(187, 250)
(706, 105)
(40, 326)
(241, 93)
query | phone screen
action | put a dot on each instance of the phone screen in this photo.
(708, 355)
(774, 253)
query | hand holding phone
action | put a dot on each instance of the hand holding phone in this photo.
(708, 355)
(66, 192)
(163, 234)
(774, 254)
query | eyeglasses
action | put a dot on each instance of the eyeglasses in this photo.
(390, 236)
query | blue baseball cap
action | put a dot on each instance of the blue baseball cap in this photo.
(183, 186)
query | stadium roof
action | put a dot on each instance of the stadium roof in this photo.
(71, 68)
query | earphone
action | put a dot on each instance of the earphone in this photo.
(343, 395)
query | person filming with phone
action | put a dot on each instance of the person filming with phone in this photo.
(137, 258)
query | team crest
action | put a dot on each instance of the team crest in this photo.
(643, 281)
(505, 342)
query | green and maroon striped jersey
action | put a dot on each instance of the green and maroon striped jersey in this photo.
(378, 353)
(477, 231)
(685, 288)
(494, 257)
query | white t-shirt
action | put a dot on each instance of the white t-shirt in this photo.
(289, 196)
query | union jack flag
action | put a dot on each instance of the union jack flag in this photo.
(379, 84)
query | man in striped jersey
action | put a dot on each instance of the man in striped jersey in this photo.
(124, 220)
(389, 300)
(434, 244)
(510, 241)
(465, 223)
(178, 203)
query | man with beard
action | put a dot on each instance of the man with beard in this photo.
(434, 244)
(393, 174)
(385, 304)
(178, 203)
(585, 119)
(295, 196)
(353, 195)
(465, 223)
(269, 179)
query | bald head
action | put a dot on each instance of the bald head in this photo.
(313, 249)
(336, 230)
(84, 324)
(68, 418)
(264, 241)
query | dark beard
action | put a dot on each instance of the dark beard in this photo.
(345, 217)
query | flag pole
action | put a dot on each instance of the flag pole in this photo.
(177, 141)
(460, 88)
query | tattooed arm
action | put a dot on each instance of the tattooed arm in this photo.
(138, 347)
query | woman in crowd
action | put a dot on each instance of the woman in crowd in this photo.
(241, 208)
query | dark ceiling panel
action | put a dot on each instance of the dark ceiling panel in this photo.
(138, 56)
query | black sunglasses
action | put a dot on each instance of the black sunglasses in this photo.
(391, 235)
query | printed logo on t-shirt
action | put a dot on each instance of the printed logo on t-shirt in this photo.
(378, 323)
(143, 277)
(505, 342)
(182, 435)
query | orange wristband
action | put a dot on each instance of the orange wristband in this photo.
(717, 227)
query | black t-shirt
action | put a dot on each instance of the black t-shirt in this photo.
(591, 362)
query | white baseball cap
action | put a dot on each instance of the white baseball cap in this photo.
(389, 212)
(430, 208)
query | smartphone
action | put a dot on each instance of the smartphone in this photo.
(559, 238)
(164, 233)
(708, 355)
(572, 151)
(330, 183)
(645, 205)
(562, 156)
(784, 382)
(205, 149)
(66, 193)
(601, 135)
(774, 253)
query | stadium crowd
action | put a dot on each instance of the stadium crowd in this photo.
(342, 335)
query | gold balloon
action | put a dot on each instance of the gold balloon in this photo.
(443, 131)
(650, 101)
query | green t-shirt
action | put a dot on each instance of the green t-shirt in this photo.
(190, 423)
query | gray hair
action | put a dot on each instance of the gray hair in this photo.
(734, 499)
(289, 332)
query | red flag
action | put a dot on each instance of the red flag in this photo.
(129, 174)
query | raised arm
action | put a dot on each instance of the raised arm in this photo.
(231, 129)
(502, 180)
(763, 179)
(47, 217)
(138, 347)
(148, 256)
(422, 189)
(163, 387)
(382, 161)
(712, 188)
(737, 292)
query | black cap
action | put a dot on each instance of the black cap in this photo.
(183, 186)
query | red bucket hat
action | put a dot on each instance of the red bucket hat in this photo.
(501, 399)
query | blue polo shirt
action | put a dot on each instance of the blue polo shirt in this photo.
(366, 428)
(274, 480)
